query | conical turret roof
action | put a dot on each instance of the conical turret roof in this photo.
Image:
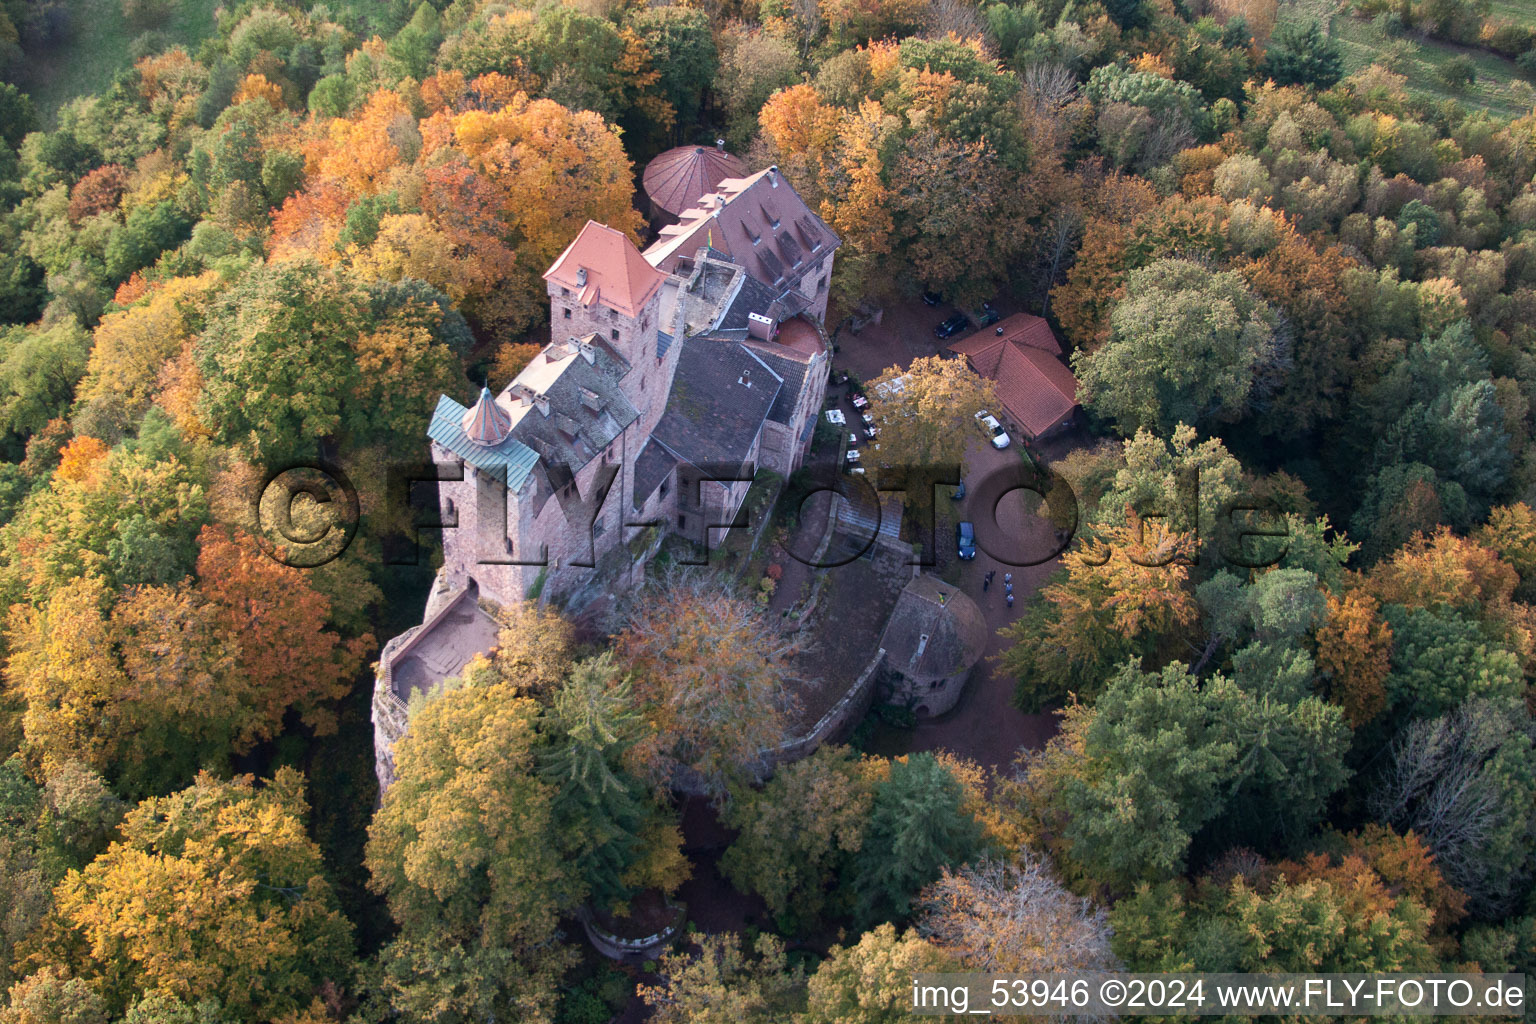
(485, 422)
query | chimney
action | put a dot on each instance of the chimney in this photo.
(584, 346)
(745, 379)
(773, 176)
(581, 277)
(759, 326)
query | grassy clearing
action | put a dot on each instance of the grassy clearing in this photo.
(98, 50)
(1519, 12)
(1499, 88)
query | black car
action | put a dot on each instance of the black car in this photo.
(987, 316)
(965, 541)
(951, 327)
(932, 298)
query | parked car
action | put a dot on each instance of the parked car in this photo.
(965, 541)
(986, 315)
(932, 298)
(993, 429)
(951, 327)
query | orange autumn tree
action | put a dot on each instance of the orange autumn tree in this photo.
(1122, 595)
(477, 199)
(150, 683)
(1458, 572)
(551, 170)
(710, 675)
(1354, 652)
(287, 654)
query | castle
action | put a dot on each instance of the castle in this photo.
(671, 375)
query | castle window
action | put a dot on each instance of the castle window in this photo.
(823, 285)
(567, 312)
(682, 522)
(666, 485)
(614, 334)
(565, 293)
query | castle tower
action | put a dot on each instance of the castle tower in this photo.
(601, 285)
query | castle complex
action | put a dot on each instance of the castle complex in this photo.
(671, 375)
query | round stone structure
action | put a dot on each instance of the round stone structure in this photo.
(935, 636)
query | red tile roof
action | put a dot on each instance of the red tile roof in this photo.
(603, 265)
(1033, 385)
(676, 179)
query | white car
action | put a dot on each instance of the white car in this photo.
(993, 429)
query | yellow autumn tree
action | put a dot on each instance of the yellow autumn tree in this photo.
(214, 892)
(927, 412)
(132, 347)
(63, 668)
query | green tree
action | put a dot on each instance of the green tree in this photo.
(916, 828)
(682, 49)
(1439, 407)
(753, 65)
(1186, 345)
(1162, 756)
(1440, 660)
(39, 368)
(1300, 54)
(599, 808)
(798, 832)
(296, 355)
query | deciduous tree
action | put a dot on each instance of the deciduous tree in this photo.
(216, 890)
(709, 674)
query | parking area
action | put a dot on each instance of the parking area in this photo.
(904, 333)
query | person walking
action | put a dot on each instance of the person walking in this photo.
(986, 581)
(1010, 599)
(1008, 579)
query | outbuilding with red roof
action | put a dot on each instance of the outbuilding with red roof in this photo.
(1022, 358)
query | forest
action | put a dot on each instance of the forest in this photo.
(1291, 248)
